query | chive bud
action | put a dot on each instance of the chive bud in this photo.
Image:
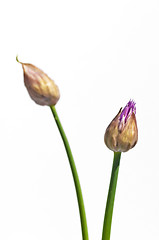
(41, 88)
(122, 133)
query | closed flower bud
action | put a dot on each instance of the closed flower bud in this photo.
(122, 133)
(40, 87)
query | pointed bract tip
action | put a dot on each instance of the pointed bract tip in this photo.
(18, 60)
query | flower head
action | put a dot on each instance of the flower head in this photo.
(122, 133)
(41, 88)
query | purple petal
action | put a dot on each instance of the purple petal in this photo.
(127, 111)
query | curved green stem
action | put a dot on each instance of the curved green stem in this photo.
(111, 197)
(75, 175)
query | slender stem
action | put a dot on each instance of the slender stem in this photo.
(75, 175)
(111, 197)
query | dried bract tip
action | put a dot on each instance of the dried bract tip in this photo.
(122, 133)
(41, 88)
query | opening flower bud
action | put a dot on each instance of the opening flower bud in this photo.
(41, 88)
(122, 133)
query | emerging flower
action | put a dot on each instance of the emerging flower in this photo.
(40, 87)
(122, 133)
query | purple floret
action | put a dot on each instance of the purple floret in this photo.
(128, 110)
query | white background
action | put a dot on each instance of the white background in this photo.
(100, 54)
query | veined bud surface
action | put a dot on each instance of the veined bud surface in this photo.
(41, 88)
(122, 133)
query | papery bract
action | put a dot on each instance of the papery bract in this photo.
(41, 88)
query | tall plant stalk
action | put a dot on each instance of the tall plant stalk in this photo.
(74, 174)
(111, 196)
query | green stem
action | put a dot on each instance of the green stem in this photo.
(75, 175)
(111, 197)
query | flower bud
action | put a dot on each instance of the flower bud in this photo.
(122, 133)
(40, 87)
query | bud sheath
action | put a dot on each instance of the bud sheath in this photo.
(41, 88)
